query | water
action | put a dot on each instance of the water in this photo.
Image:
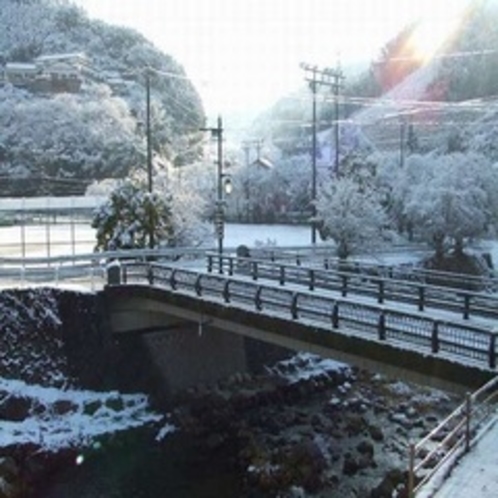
(134, 466)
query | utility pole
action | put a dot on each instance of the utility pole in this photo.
(402, 142)
(149, 155)
(320, 77)
(223, 185)
(338, 77)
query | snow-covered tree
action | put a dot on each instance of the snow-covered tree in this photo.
(349, 215)
(131, 214)
(67, 137)
(128, 218)
(452, 200)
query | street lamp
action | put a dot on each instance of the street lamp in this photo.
(224, 186)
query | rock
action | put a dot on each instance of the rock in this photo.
(15, 408)
(351, 465)
(91, 407)
(376, 433)
(391, 481)
(308, 462)
(366, 448)
(355, 425)
(63, 407)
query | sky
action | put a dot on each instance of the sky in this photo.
(245, 54)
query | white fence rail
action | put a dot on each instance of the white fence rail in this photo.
(89, 270)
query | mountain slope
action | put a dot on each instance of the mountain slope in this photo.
(70, 139)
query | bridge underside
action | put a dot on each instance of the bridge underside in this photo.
(134, 308)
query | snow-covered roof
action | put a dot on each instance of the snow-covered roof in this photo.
(61, 57)
(20, 66)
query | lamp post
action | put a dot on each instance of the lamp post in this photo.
(223, 186)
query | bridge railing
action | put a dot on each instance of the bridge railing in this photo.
(320, 258)
(381, 287)
(468, 342)
(452, 437)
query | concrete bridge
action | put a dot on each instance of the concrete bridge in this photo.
(197, 321)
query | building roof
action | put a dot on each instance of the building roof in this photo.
(61, 57)
(263, 163)
(20, 66)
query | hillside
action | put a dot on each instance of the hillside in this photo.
(54, 141)
(437, 104)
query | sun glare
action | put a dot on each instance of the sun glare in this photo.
(432, 33)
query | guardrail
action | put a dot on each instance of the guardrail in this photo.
(89, 268)
(462, 341)
(383, 288)
(452, 437)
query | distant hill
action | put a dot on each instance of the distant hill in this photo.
(57, 141)
(435, 106)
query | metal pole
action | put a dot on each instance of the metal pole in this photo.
(47, 230)
(149, 154)
(411, 470)
(336, 126)
(402, 143)
(23, 228)
(468, 415)
(313, 164)
(73, 232)
(221, 211)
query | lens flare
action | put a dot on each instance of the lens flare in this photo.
(433, 33)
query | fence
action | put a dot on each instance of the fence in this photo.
(452, 437)
(89, 270)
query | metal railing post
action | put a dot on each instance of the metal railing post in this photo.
(435, 337)
(492, 350)
(282, 275)
(294, 312)
(466, 306)
(380, 297)
(421, 298)
(382, 326)
(335, 315)
(226, 291)
(411, 470)
(344, 290)
(311, 275)
(254, 268)
(468, 415)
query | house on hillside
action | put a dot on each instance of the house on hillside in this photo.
(262, 164)
(19, 73)
(55, 73)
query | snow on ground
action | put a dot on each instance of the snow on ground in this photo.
(304, 366)
(61, 419)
